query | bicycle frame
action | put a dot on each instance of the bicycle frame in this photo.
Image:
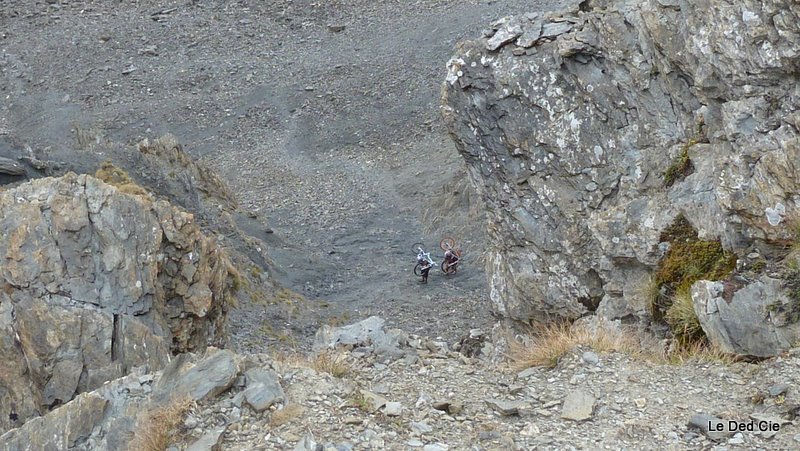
(425, 256)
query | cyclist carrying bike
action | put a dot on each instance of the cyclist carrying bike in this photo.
(425, 267)
(451, 260)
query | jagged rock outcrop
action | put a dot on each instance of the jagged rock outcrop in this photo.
(94, 282)
(589, 132)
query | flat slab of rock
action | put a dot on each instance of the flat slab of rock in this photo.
(11, 167)
(263, 389)
(507, 408)
(210, 441)
(393, 409)
(373, 401)
(578, 406)
(708, 425)
(208, 378)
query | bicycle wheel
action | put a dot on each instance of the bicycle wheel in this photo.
(418, 270)
(417, 247)
(447, 243)
(445, 268)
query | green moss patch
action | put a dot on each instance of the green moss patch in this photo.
(681, 167)
(688, 260)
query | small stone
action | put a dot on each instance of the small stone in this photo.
(591, 187)
(393, 409)
(640, 402)
(489, 435)
(577, 379)
(578, 406)
(768, 419)
(353, 420)
(507, 408)
(524, 374)
(702, 423)
(420, 428)
(530, 430)
(435, 447)
(209, 441)
(590, 358)
(737, 439)
(336, 28)
(778, 389)
(441, 405)
(380, 389)
(374, 402)
(414, 443)
(455, 408)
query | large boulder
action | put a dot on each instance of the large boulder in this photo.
(756, 320)
(589, 132)
(94, 282)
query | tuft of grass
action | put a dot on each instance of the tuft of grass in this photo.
(682, 318)
(333, 363)
(158, 428)
(360, 402)
(688, 260)
(696, 351)
(547, 343)
(115, 176)
(680, 167)
(285, 415)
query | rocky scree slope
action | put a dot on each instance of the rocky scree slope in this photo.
(396, 391)
(590, 132)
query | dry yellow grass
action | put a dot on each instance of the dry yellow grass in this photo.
(546, 344)
(285, 415)
(549, 342)
(697, 351)
(331, 362)
(157, 428)
(120, 179)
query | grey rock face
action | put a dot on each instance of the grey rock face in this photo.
(209, 377)
(97, 282)
(568, 133)
(750, 322)
(61, 429)
(263, 389)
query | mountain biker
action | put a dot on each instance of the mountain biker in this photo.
(425, 267)
(451, 258)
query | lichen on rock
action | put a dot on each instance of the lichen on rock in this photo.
(568, 135)
(95, 282)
